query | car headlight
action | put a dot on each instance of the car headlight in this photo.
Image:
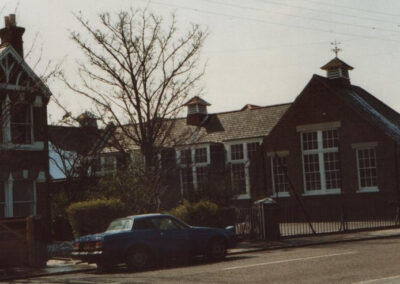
(231, 228)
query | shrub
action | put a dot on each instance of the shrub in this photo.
(93, 216)
(202, 213)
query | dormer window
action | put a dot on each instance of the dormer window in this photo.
(192, 109)
(197, 111)
(202, 109)
(21, 124)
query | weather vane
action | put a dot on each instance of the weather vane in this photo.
(336, 49)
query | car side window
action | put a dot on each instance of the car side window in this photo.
(143, 224)
(165, 224)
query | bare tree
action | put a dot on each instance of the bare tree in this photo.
(139, 72)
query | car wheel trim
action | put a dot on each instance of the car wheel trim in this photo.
(217, 249)
(139, 258)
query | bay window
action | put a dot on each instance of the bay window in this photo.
(23, 198)
(17, 198)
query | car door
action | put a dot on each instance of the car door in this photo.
(173, 237)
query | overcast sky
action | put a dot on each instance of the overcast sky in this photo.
(261, 52)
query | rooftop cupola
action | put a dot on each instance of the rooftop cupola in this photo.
(336, 68)
(12, 34)
(197, 111)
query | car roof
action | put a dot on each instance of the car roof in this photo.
(143, 216)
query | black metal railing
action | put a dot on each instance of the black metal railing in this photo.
(249, 223)
(323, 215)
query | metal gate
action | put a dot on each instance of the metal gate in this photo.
(250, 223)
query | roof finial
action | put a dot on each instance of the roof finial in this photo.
(336, 49)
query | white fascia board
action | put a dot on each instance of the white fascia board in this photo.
(10, 50)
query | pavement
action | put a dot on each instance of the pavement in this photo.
(64, 265)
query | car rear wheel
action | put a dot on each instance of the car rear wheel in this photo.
(138, 258)
(216, 250)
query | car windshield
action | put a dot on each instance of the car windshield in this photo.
(183, 224)
(120, 225)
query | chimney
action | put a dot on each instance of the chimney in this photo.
(87, 120)
(11, 34)
(197, 111)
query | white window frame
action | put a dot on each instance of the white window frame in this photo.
(30, 125)
(103, 163)
(102, 170)
(8, 198)
(245, 161)
(280, 154)
(193, 165)
(365, 146)
(320, 151)
(6, 142)
(197, 108)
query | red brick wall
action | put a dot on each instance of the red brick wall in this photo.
(317, 105)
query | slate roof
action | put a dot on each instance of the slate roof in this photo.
(221, 127)
(368, 106)
(80, 140)
(234, 125)
(254, 121)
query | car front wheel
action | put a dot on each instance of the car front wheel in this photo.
(216, 250)
(138, 258)
(104, 267)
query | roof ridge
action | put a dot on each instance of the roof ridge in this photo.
(241, 110)
(226, 112)
(257, 108)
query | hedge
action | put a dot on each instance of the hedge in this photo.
(93, 216)
(202, 213)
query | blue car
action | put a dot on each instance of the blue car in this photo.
(142, 240)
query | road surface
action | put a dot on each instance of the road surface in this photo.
(374, 261)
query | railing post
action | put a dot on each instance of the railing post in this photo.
(270, 214)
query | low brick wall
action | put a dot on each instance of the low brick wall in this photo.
(21, 242)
